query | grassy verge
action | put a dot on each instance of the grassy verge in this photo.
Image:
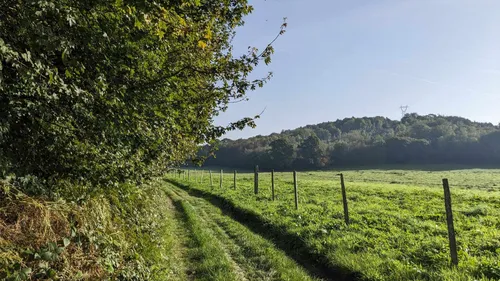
(122, 234)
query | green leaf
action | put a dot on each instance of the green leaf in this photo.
(160, 33)
(47, 256)
(51, 273)
(66, 242)
(202, 44)
(59, 250)
(138, 24)
(27, 271)
(71, 20)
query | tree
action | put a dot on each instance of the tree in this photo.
(311, 152)
(323, 134)
(108, 91)
(282, 153)
(338, 152)
(490, 144)
(406, 150)
(420, 130)
(355, 138)
(370, 141)
(334, 131)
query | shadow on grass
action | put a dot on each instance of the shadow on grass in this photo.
(290, 243)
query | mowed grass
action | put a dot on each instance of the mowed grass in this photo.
(257, 258)
(211, 261)
(398, 224)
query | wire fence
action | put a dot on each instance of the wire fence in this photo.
(211, 178)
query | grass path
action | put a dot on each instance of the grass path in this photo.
(218, 237)
(239, 253)
(210, 260)
(178, 261)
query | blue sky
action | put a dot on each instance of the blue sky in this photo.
(366, 58)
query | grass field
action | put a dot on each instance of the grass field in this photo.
(398, 224)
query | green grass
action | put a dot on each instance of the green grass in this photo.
(398, 227)
(257, 258)
(125, 232)
(212, 262)
(176, 242)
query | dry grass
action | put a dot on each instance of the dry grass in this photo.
(28, 224)
(119, 234)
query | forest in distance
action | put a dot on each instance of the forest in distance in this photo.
(415, 139)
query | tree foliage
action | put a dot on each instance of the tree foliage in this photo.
(109, 91)
(311, 152)
(281, 153)
(416, 139)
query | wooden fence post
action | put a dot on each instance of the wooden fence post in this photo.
(344, 199)
(295, 190)
(211, 182)
(234, 179)
(272, 183)
(449, 221)
(220, 181)
(256, 180)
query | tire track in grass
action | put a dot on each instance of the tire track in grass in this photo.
(246, 269)
(259, 257)
(231, 249)
(178, 262)
(210, 260)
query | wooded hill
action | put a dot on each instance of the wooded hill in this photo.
(415, 139)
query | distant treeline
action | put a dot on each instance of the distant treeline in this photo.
(429, 139)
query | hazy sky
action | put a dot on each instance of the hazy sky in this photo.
(344, 58)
